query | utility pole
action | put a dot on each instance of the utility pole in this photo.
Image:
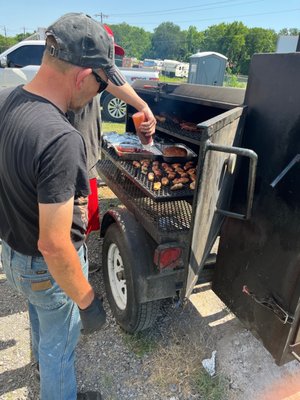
(4, 29)
(102, 16)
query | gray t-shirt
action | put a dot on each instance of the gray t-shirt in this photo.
(42, 160)
(88, 122)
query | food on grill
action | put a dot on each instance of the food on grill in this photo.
(172, 175)
(181, 180)
(171, 117)
(136, 164)
(189, 126)
(191, 171)
(174, 151)
(156, 185)
(151, 176)
(174, 119)
(188, 165)
(183, 174)
(144, 169)
(157, 173)
(179, 170)
(160, 118)
(164, 181)
(168, 170)
(129, 149)
(162, 174)
(177, 186)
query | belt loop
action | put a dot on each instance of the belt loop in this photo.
(29, 263)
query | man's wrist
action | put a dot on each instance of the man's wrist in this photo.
(144, 107)
(86, 301)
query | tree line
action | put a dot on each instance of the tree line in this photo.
(234, 40)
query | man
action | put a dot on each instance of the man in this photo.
(43, 194)
(88, 122)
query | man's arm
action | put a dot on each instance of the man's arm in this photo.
(129, 95)
(59, 252)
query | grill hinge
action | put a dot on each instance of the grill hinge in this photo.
(271, 304)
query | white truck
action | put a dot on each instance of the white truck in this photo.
(20, 63)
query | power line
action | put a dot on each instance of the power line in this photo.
(4, 29)
(225, 17)
(179, 10)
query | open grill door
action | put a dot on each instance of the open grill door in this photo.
(216, 173)
(258, 262)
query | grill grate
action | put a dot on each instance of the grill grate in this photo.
(174, 130)
(164, 194)
(159, 218)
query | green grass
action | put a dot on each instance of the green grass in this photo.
(210, 388)
(232, 81)
(113, 127)
(139, 343)
(163, 78)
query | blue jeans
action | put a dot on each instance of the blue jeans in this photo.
(54, 320)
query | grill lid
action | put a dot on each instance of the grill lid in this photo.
(215, 96)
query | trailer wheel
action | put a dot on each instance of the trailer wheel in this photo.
(120, 284)
(113, 109)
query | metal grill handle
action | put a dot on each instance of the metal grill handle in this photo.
(251, 177)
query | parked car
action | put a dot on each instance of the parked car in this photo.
(20, 63)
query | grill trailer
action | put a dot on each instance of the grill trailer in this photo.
(160, 243)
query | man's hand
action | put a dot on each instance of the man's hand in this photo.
(93, 317)
(147, 128)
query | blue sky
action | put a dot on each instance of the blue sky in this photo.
(28, 15)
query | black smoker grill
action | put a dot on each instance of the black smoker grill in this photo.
(259, 276)
(168, 215)
(257, 271)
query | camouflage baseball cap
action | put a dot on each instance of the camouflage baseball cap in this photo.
(84, 42)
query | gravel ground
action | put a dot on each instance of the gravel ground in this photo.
(163, 363)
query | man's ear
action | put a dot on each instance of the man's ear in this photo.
(81, 76)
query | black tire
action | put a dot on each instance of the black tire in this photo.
(113, 109)
(133, 316)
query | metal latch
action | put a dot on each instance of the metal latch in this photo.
(271, 304)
